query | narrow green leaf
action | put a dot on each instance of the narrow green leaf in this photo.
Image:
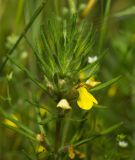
(58, 63)
(46, 50)
(105, 132)
(37, 105)
(38, 57)
(126, 12)
(19, 131)
(86, 140)
(103, 85)
(85, 42)
(56, 79)
(46, 67)
(17, 122)
(109, 130)
(45, 41)
(48, 120)
(25, 70)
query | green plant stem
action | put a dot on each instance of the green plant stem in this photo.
(57, 138)
(65, 130)
(19, 11)
(58, 134)
(104, 25)
(56, 3)
(46, 143)
(72, 6)
(36, 13)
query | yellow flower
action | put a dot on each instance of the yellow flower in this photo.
(40, 149)
(10, 123)
(91, 82)
(85, 99)
(41, 139)
(71, 152)
(80, 154)
(42, 111)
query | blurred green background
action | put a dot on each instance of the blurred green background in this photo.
(114, 31)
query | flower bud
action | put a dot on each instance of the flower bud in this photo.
(63, 103)
(40, 137)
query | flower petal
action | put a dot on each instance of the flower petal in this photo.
(85, 99)
(40, 149)
(91, 82)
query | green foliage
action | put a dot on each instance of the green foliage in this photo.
(44, 59)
